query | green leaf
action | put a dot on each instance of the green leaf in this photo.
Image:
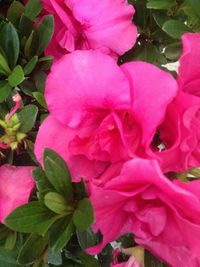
(32, 248)
(160, 17)
(29, 67)
(33, 9)
(58, 173)
(9, 42)
(54, 258)
(147, 52)
(88, 260)
(106, 256)
(87, 238)
(175, 28)
(40, 80)
(30, 150)
(28, 44)
(40, 99)
(4, 68)
(16, 77)
(11, 240)
(173, 51)
(14, 12)
(83, 216)
(150, 260)
(195, 4)
(161, 4)
(44, 31)
(5, 90)
(8, 258)
(27, 118)
(42, 182)
(25, 26)
(57, 203)
(31, 218)
(61, 234)
(45, 62)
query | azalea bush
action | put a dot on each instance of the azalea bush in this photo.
(99, 133)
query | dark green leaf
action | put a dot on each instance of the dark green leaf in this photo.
(88, 260)
(83, 216)
(42, 182)
(161, 4)
(8, 258)
(160, 18)
(28, 45)
(175, 28)
(33, 9)
(5, 90)
(45, 62)
(150, 260)
(106, 256)
(4, 68)
(40, 80)
(9, 42)
(195, 4)
(25, 26)
(147, 52)
(31, 217)
(40, 99)
(173, 51)
(32, 249)
(29, 67)
(61, 234)
(14, 12)
(87, 238)
(44, 31)
(57, 173)
(27, 118)
(16, 77)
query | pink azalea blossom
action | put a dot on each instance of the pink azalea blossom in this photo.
(91, 24)
(164, 216)
(180, 132)
(102, 113)
(16, 184)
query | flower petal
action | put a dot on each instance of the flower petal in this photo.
(16, 184)
(189, 70)
(82, 80)
(52, 134)
(104, 22)
(152, 90)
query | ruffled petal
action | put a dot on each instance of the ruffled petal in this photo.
(52, 134)
(189, 69)
(16, 184)
(81, 81)
(152, 90)
(104, 22)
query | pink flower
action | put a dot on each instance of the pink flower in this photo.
(16, 184)
(91, 24)
(180, 131)
(164, 216)
(102, 113)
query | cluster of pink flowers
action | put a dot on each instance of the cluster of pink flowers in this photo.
(104, 118)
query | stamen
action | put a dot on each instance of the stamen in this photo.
(17, 99)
